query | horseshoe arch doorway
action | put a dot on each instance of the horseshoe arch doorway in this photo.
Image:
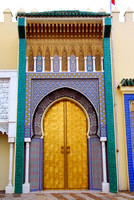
(47, 106)
(65, 164)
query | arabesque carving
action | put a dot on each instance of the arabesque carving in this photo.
(81, 59)
(64, 48)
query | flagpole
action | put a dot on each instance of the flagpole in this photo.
(110, 6)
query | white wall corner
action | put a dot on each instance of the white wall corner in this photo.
(11, 129)
(11, 139)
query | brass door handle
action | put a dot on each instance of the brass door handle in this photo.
(68, 150)
(62, 149)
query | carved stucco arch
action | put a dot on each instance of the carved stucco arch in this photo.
(64, 93)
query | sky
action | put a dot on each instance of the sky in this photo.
(83, 5)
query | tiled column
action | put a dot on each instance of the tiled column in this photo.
(26, 185)
(9, 188)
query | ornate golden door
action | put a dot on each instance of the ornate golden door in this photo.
(65, 147)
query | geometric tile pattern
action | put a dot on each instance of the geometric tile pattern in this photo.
(95, 163)
(56, 63)
(40, 88)
(72, 195)
(132, 130)
(34, 164)
(90, 84)
(41, 165)
(128, 98)
(58, 94)
(72, 63)
(89, 63)
(39, 63)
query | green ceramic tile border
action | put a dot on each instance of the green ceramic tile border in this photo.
(109, 107)
(20, 108)
(63, 13)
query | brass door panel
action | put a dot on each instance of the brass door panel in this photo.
(77, 147)
(53, 154)
(65, 147)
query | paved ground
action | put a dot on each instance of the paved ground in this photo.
(69, 195)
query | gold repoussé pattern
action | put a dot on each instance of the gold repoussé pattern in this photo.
(65, 147)
(77, 140)
(54, 139)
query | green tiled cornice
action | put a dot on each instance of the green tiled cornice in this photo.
(127, 82)
(63, 13)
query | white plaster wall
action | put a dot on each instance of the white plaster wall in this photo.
(10, 120)
(4, 91)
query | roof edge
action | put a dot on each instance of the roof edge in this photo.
(62, 13)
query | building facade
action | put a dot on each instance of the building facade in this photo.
(8, 101)
(64, 95)
(66, 115)
(123, 44)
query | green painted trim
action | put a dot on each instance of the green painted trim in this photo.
(107, 30)
(109, 113)
(21, 28)
(20, 114)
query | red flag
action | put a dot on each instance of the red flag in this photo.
(113, 2)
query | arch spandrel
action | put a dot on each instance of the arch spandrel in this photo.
(57, 95)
